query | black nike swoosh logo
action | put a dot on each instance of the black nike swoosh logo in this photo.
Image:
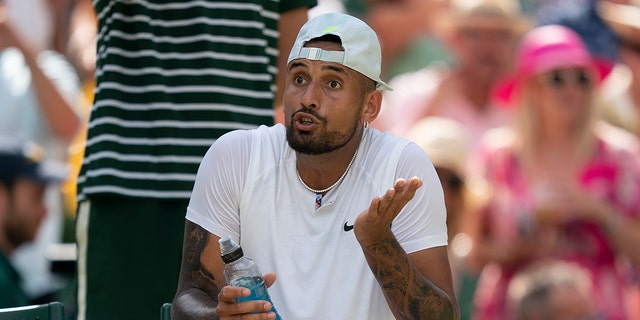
(347, 227)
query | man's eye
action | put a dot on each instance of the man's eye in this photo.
(334, 84)
(298, 80)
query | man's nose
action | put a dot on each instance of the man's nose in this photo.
(310, 97)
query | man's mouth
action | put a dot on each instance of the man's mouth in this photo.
(305, 122)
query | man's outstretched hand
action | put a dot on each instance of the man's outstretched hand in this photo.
(374, 224)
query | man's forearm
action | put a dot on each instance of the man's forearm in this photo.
(193, 304)
(196, 296)
(58, 112)
(409, 294)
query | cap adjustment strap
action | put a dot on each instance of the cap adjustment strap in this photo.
(320, 54)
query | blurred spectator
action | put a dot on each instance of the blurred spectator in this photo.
(621, 90)
(39, 91)
(80, 48)
(81, 44)
(171, 78)
(32, 21)
(406, 32)
(23, 178)
(445, 142)
(552, 290)
(481, 35)
(582, 17)
(326, 6)
(559, 189)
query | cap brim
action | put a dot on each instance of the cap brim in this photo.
(381, 85)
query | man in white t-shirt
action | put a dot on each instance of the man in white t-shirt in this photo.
(351, 220)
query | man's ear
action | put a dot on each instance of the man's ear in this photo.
(373, 103)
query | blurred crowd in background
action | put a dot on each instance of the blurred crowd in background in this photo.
(529, 110)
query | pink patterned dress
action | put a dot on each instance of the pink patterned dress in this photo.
(613, 175)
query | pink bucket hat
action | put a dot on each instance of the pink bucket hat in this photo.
(544, 49)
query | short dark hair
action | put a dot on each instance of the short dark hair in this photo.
(328, 38)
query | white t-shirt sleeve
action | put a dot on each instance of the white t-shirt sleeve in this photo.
(215, 200)
(422, 224)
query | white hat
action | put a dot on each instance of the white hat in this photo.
(445, 142)
(360, 43)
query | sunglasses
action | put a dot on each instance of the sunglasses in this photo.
(562, 78)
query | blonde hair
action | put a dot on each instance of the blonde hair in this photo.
(528, 123)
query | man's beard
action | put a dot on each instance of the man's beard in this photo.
(308, 143)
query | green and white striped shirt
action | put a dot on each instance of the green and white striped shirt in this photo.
(172, 76)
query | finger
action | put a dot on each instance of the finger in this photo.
(398, 201)
(399, 185)
(406, 192)
(231, 293)
(410, 190)
(229, 306)
(385, 201)
(374, 206)
(415, 182)
(269, 279)
(255, 309)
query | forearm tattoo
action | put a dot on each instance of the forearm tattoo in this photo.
(411, 295)
(196, 239)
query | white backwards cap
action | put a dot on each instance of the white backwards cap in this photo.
(360, 43)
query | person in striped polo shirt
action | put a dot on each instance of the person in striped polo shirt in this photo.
(172, 76)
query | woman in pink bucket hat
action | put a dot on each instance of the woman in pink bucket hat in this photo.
(560, 188)
(546, 48)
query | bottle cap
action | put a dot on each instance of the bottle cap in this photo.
(229, 250)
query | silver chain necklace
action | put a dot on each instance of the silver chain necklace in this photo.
(316, 191)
